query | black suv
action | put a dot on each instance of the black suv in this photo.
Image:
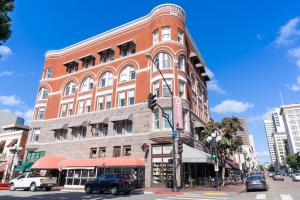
(114, 183)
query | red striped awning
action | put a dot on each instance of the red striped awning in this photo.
(48, 162)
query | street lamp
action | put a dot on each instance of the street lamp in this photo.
(214, 140)
(148, 56)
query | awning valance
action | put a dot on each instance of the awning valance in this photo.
(105, 162)
(26, 166)
(121, 117)
(12, 143)
(192, 155)
(63, 126)
(76, 124)
(48, 162)
(100, 120)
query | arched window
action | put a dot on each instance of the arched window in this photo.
(106, 79)
(127, 74)
(162, 61)
(70, 89)
(87, 84)
(43, 93)
(181, 63)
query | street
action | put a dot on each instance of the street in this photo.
(278, 190)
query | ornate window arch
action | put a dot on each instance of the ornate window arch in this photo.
(43, 93)
(70, 89)
(127, 74)
(162, 61)
(87, 84)
(106, 79)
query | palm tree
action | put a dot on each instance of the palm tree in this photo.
(229, 143)
(6, 6)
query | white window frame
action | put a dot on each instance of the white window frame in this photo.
(35, 136)
(165, 88)
(48, 73)
(182, 84)
(43, 93)
(87, 84)
(108, 99)
(121, 96)
(180, 36)
(156, 120)
(127, 74)
(156, 88)
(80, 107)
(87, 106)
(40, 110)
(166, 33)
(70, 89)
(165, 121)
(130, 94)
(163, 60)
(107, 77)
(100, 100)
(155, 36)
(181, 63)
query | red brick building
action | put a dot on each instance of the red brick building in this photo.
(92, 98)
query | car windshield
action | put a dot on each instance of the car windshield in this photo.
(254, 178)
(297, 174)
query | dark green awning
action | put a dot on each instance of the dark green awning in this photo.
(26, 166)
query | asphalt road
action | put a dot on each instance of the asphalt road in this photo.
(279, 190)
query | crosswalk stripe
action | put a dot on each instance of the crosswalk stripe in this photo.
(286, 197)
(260, 196)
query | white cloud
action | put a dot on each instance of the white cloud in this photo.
(288, 33)
(256, 118)
(259, 36)
(262, 154)
(295, 53)
(296, 86)
(10, 100)
(7, 73)
(27, 114)
(232, 106)
(213, 84)
(5, 51)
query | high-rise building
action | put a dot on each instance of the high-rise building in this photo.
(245, 133)
(279, 147)
(291, 117)
(270, 129)
(91, 108)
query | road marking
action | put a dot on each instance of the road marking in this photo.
(207, 197)
(286, 197)
(260, 196)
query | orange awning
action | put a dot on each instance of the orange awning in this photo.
(48, 162)
(105, 161)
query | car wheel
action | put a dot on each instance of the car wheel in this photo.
(114, 190)
(33, 187)
(127, 192)
(48, 188)
(88, 189)
(26, 189)
(12, 187)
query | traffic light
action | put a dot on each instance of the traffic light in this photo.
(151, 101)
(180, 147)
(213, 152)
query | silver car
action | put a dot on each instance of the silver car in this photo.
(296, 177)
(278, 176)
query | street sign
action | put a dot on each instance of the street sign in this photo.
(216, 167)
(174, 134)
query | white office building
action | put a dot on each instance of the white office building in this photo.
(270, 129)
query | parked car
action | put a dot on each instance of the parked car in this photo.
(259, 174)
(278, 176)
(256, 182)
(114, 183)
(31, 181)
(296, 177)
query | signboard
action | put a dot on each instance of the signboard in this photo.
(174, 134)
(178, 118)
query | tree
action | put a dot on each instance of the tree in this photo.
(229, 143)
(260, 167)
(6, 6)
(271, 168)
(293, 160)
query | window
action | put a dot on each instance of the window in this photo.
(107, 55)
(48, 73)
(79, 132)
(162, 61)
(87, 84)
(80, 106)
(121, 99)
(127, 49)
(88, 61)
(100, 103)
(166, 33)
(166, 123)
(127, 150)
(40, 113)
(66, 109)
(129, 126)
(156, 120)
(127, 74)
(123, 126)
(106, 79)
(180, 36)
(72, 67)
(60, 134)
(102, 152)
(182, 89)
(155, 36)
(166, 91)
(43, 94)
(93, 152)
(87, 106)
(70, 89)
(181, 63)
(192, 79)
(185, 117)
(117, 151)
(199, 90)
(130, 97)
(100, 130)
(156, 88)
(35, 135)
(108, 101)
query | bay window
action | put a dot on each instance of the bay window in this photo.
(166, 91)
(162, 61)
(181, 63)
(156, 120)
(166, 123)
(156, 88)
(166, 34)
(182, 89)
(180, 36)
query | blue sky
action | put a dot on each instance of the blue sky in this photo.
(251, 47)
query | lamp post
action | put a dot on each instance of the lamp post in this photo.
(148, 56)
(213, 140)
